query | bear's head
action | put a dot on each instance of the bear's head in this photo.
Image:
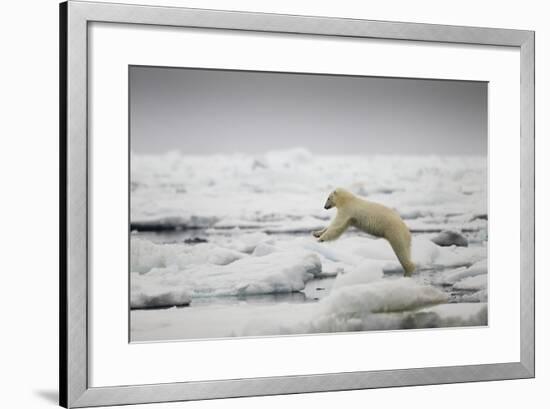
(338, 198)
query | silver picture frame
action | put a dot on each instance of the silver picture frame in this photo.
(75, 390)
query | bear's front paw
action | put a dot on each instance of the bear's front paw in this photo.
(317, 233)
(321, 240)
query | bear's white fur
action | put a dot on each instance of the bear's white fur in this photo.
(372, 218)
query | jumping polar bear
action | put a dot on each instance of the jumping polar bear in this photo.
(372, 218)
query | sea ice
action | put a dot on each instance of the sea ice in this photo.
(153, 293)
(477, 283)
(145, 255)
(205, 270)
(256, 212)
(453, 276)
(283, 191)
(379, 305)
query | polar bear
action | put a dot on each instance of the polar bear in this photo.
(372, 218)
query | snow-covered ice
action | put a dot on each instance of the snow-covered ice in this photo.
(477, 283)
(228, 236)
(282, 191)
(453, 276)
(205, 270)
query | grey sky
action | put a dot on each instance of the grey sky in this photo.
(215, 111)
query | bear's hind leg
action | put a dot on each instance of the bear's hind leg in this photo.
(402, 249)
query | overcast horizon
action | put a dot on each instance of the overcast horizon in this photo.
(200, 111)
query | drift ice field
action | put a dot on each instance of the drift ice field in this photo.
(221, 245)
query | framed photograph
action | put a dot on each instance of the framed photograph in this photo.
(258, 204)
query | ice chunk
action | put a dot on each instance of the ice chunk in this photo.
(424, 252)
(453, 276)
(148, 293)
(247, 242)
(304, 225)
(145, 255)
(263, 249)
(379, 304)
(448, 315)
(364, 273)
(381, 296)
(279, 272)
(478, 282)
(450, 238)
(478, 296)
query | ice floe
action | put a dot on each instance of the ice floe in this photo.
(453, 276)
(256, 263)
(151, 292)
(145, 255)
(204, 270)
(474, 283)
(342, 311)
